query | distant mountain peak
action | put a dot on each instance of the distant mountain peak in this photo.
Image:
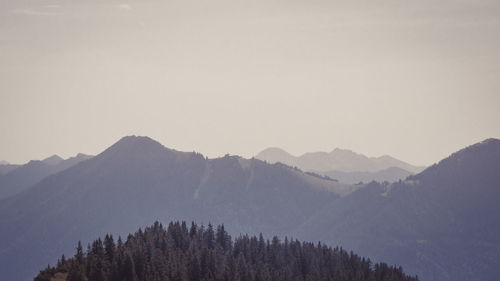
(52, 160)
(274, 150)
(275, 154)
(2, 162)
(385, 156)
(339, 159)
(136, 139)
(342, 150)
(136, 142)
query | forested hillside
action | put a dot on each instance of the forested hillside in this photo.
(196, 253)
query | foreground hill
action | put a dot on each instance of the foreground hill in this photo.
(198, 253)
(138, 180)
(344, 165)
(17, 178)
(443, 223)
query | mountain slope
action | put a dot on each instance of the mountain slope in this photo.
(138, 180)
(24, 176)
(443, 223)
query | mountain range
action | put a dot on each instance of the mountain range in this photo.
(441, 224)
(16, 178)
(344, 165)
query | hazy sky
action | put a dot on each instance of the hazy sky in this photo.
(417, 80)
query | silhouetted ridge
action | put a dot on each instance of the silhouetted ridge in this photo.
(20, 177)
(7, 168)
(137, 180)
(135, 144)
(199, 253)
(53, 160)
(442, 226)
(480, 160)
(82, 156)
(138, 150)
(343, 160)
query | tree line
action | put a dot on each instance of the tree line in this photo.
(198, 253)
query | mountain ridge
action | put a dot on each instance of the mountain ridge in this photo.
(436, 224)
(344, 165)
(343, 160)
(21, 177)
(53, 160)
(137, 180)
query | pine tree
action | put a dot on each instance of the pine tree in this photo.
(76, 272)
(129, 273)
(195, 254)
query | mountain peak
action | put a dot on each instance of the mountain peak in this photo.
(52, 160)
(274, 150)
(4, 162)
(341, 150)
(275, 154)
(135, 145)
(133, 140)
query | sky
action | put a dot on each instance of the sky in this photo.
(416, 80)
